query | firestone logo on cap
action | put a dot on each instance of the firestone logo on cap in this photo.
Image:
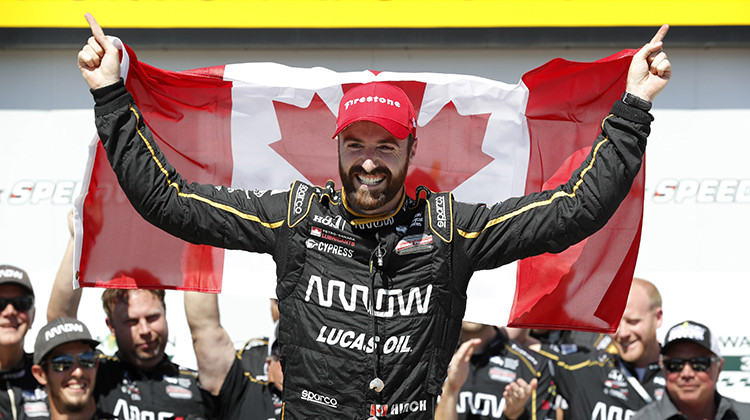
(382, 100)
(382, 103)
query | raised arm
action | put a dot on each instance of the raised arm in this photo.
(213, 347)
(63, 299)
(99, 59)
(650, 69)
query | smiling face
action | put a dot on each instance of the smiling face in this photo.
(70, 391)
(140, 327)
(635, 337)
(373, 166)
(14, 324)
(691, 389)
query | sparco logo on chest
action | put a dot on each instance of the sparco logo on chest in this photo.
(319, 399)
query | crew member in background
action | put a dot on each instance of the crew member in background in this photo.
(66, 362)
(489, 370)
(240, 393)
(139, 380)
(692, 362)
(20, 393)
(606, 385)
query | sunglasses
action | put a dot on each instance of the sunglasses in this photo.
(21, 303)
(699, 364)
(63, 362)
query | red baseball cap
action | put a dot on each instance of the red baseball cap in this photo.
(381, 103)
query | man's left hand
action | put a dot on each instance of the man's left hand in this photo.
(650, 69)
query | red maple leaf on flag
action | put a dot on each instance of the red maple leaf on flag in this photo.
(449, 151)
(306, 140)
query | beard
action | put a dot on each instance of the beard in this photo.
(365, 199)
(75, 406)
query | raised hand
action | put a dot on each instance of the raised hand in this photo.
(516, 395)
(458, 370)
(99, 59)
(650, 69)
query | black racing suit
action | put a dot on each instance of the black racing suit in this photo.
(246, 393)
(21, 396)
(502, 362)
(167, 392)
(599, 386)
(369, 296)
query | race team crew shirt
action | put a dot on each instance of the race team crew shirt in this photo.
(502, 362)
(167, 392)
(243, 396)
(600, 386)
(246, 393)
(365, 297)
(21, 396)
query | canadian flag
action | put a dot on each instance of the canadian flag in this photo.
(263, 125)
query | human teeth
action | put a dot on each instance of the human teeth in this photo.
(369, 179)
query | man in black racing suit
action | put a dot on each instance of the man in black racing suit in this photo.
(371, 282)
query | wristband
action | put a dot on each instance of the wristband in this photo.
(636, 102)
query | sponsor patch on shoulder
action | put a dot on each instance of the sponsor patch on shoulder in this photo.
(413, 244)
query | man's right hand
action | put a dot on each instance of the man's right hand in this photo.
(99, 59)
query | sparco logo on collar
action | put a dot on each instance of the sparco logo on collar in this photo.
(440, 211)
(299, 198)
(520, 350)
(384, 297)
(319, 399)
(67, 327)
